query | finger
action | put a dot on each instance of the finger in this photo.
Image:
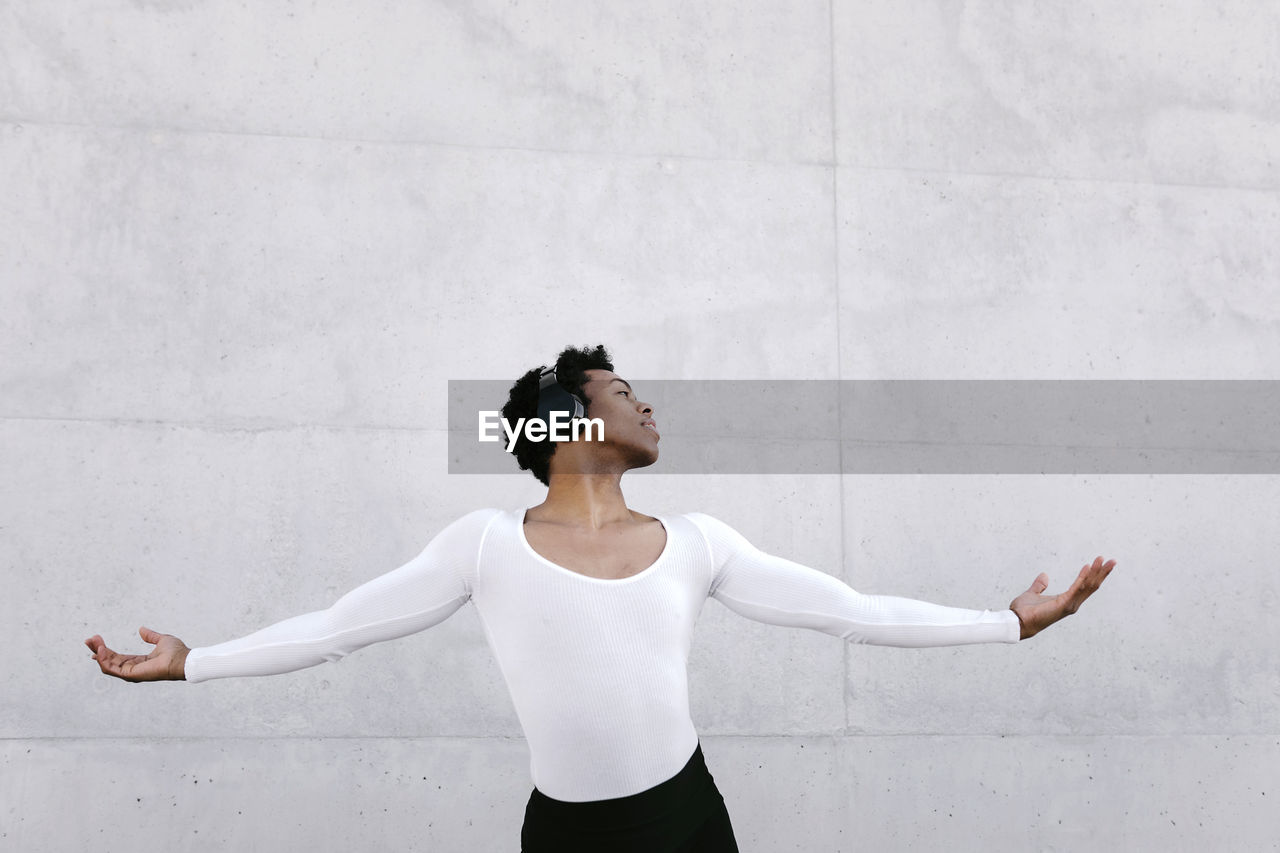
(125, 670)
(1040, 584)
(1082, 580)
(1087, 583)
(112, 663)
(107, 661)
(102, 652)
(107, 657)
(1070, 598)
(1100, 570)
(121, 666)
(148, 635)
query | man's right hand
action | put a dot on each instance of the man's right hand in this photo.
(166, 662)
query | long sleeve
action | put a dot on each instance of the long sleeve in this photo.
(778, 591)
(419, 594)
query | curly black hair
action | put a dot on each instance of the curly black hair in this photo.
(522, 402)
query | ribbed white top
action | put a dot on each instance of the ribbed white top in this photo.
(596, 668)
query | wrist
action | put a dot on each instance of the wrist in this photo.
(178, 666)
(1022, 626)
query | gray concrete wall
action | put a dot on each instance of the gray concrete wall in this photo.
(244, 246)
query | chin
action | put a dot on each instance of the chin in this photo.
(643, 460)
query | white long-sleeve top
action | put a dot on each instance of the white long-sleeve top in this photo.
(596, 667)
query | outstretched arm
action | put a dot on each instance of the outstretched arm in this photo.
(417, 595)
(775, 590)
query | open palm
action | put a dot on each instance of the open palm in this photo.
(1037, 612)
(166, 662)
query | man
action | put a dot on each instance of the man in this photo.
(589, 607)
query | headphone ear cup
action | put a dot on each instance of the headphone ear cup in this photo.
(554, 397)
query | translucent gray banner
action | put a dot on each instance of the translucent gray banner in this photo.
(717, 426)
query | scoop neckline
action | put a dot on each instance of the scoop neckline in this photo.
(666, 547)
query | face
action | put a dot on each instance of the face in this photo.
(628, 422)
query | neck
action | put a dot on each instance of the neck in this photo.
(589, 500)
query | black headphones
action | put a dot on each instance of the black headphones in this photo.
(553, 397)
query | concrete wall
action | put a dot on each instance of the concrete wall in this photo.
(244, 246)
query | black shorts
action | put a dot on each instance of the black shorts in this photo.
(684, 814)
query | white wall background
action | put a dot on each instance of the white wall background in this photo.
(244, 246)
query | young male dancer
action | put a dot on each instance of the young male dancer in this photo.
(589, 607)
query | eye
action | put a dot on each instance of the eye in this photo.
(624, 393)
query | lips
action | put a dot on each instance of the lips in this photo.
(651, 425)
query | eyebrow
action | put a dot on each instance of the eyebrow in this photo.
(623, 381)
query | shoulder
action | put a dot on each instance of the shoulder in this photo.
(722, 537)
(471, 527)
(487, 514)
(479, 517)
(707, 523)
(460, 543)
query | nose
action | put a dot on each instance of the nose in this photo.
(646, 409)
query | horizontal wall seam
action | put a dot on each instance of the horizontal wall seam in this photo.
(1268, 188)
